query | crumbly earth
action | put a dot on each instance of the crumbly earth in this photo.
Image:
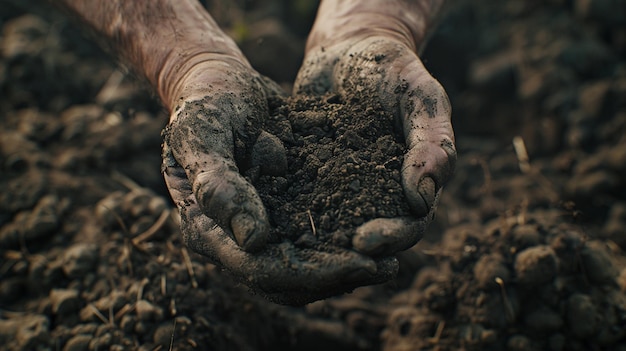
(526, 253)
(344, 163)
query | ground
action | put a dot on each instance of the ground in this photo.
(526, 251)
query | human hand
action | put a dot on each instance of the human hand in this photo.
(390, 71)
(212, 132)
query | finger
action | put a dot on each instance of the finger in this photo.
(315, 76)
(388, 236)
(282, 272)
(431, 157)
(204, 147)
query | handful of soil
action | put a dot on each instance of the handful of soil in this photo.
(344, 160)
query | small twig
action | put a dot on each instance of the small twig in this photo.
(126, 253)
(522, 154)
(118, 219)
(163, 284)
(187, 259)
(312, 223)
(508, 307)
(435, 338)
(127, 308)
(153, 228)
(13, 255)
(172, 338)
(173, 306)
(98, 314)
(521, 216)
(436, 253)
(140, 290)
(113, 82)
(192, 343)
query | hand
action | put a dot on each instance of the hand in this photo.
(211, 133)
(393, 73)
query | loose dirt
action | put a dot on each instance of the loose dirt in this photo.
(526, 252)
(344, 163)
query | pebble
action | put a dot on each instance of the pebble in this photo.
(108, 209)
(146, 311)
(581, 315)
(24, 36)
(127, 323)
(269, 153)
(64, 301)
(597, 265)
(80, 259)
(12, 289)
(525, 236)
(163, 334)
(488, 268)
(536, 265)
(32, 331)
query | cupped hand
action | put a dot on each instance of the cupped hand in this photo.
(391, 72)
(211, 135)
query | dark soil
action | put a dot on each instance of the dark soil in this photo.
(344, 163)
(526, 252)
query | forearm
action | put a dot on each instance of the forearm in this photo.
(407, 21)
(160, 39)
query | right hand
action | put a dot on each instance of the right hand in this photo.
(213, 127)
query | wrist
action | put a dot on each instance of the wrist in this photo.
(405, 21)
(195, 75)
(165, 41)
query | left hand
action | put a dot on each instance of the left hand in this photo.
(392, 71)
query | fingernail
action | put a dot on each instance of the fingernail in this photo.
(426, 189)
(243, 226)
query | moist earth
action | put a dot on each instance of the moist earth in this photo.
(344, 159)
(526, 251)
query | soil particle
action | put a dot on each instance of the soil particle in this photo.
(79, 260)
(24, 332)
(536, 265)
(581, 315)
(64, 301)
(597, 264)
(147, 311)
(488, 268)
